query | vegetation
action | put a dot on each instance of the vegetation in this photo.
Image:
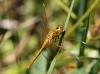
(24, 25)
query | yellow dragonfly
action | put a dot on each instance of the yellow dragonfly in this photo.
(49, 38)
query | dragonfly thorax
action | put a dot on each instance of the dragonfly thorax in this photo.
(56, 32)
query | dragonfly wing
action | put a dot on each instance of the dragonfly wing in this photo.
(44, 25)
(68, 47)
(45, 20)
(42, 32)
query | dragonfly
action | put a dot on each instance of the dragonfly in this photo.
(52, 35)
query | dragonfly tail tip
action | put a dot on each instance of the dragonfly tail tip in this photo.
(28, 67)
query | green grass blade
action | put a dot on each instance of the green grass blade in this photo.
(80, 12)
(52, 66)
(90, 66)
(82, 47)
(67, 20)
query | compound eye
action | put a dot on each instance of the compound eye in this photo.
(57, 27)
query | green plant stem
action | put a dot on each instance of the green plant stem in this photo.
(67, 19)
(80, 12)
(84, 36)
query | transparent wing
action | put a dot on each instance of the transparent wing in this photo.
(44, 25)
(45, 20)
(42, 32)
(68, 47)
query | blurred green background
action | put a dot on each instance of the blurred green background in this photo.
(22, 33)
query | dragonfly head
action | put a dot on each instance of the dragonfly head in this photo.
(59, 29)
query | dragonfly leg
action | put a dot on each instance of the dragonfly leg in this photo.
(56, 39)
